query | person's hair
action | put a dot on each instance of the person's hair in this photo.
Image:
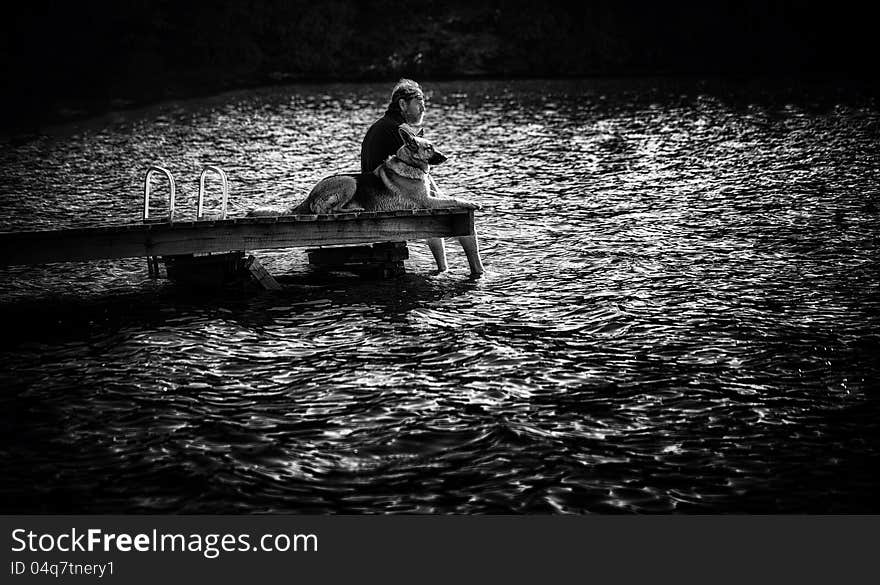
(406, 89)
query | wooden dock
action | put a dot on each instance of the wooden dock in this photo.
(171, 238)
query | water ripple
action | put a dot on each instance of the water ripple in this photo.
(680, 312)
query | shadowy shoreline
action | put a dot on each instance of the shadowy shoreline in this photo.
(67, 62)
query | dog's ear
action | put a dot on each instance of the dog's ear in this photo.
(421, 132)
(408, 138)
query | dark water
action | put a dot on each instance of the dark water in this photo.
(681, 312)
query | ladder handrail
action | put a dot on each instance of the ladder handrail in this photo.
(225, 184)
(167, 173)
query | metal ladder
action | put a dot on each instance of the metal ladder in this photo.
(225, 185)
(153, 261)
(167, 173)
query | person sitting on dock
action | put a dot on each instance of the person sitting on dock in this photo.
(407, 106)
(383, 139)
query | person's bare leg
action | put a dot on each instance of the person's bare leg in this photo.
(472, 251)
(438, 249)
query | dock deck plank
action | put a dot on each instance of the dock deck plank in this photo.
(257, 233)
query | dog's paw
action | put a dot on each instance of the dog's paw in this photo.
(469, 204)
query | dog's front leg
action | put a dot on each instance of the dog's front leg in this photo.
(438, 249)
(446, 202)
(438, 199)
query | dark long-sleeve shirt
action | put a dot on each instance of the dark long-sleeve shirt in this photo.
(382, 140)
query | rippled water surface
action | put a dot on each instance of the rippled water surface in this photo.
(681, 312)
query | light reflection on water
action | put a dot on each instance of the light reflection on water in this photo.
(680, 312)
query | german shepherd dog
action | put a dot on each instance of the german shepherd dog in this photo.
(401, 182)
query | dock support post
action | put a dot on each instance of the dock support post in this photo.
(438, 249)
(153, 266)
(260, 274)
(382, 259)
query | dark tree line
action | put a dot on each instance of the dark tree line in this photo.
(101, 53)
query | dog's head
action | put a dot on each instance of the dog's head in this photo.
(418, 150)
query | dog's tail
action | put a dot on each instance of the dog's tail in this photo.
(302, 208)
